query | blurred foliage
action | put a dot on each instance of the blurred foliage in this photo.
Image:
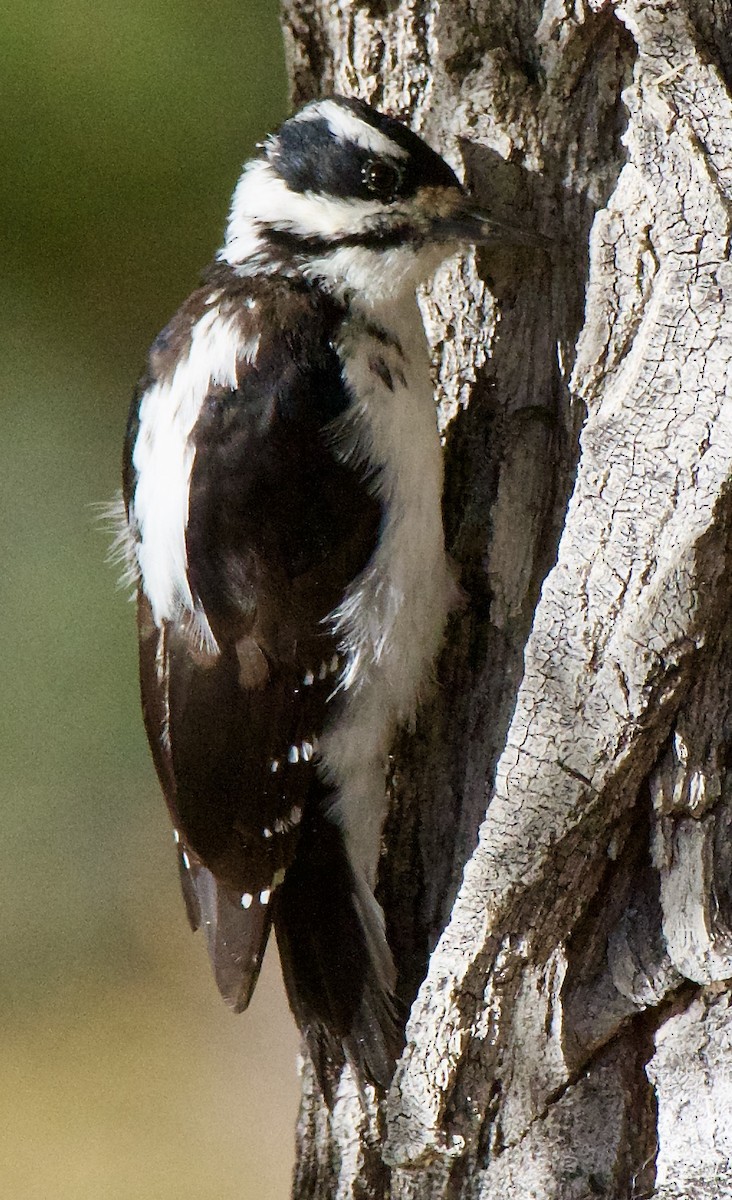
(124, 1077)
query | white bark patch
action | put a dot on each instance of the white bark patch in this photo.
(692, 1075)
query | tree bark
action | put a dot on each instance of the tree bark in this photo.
(557, 876)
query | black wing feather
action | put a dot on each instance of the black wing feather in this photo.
(279, 524)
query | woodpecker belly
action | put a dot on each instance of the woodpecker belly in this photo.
(390, 622)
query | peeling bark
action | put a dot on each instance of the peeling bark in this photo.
(558, 873)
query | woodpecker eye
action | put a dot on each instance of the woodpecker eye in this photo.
(381, 178)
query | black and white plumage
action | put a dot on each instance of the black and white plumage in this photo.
(282, 490)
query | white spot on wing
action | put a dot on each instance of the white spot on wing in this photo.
(186, 861)
(267, 832)
(264, 896)
(246, 900)
(293, 754)
(274, 766)
(307, 751)
(308, 679)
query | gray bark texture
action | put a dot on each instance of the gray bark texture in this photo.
(558, 868)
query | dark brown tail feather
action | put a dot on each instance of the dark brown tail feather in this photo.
(337, 966)
(235, 937)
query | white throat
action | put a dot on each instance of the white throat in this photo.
(262, 203)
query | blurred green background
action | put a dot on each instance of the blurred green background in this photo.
(123, 1077)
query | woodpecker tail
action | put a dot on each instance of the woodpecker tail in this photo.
(235, 938)
(337, 966)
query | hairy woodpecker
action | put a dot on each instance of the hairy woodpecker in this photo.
(282, 491)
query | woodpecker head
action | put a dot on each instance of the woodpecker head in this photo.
(353, 198)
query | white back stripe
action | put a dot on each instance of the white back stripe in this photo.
(163, 460)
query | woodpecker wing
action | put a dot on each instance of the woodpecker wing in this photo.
(235, 937)
(238, 665)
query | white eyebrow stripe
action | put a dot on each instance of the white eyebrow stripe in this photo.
(348, 127)
(262, 200)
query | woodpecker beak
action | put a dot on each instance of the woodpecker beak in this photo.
(469, 223)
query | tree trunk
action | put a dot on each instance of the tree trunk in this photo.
(557, 878)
